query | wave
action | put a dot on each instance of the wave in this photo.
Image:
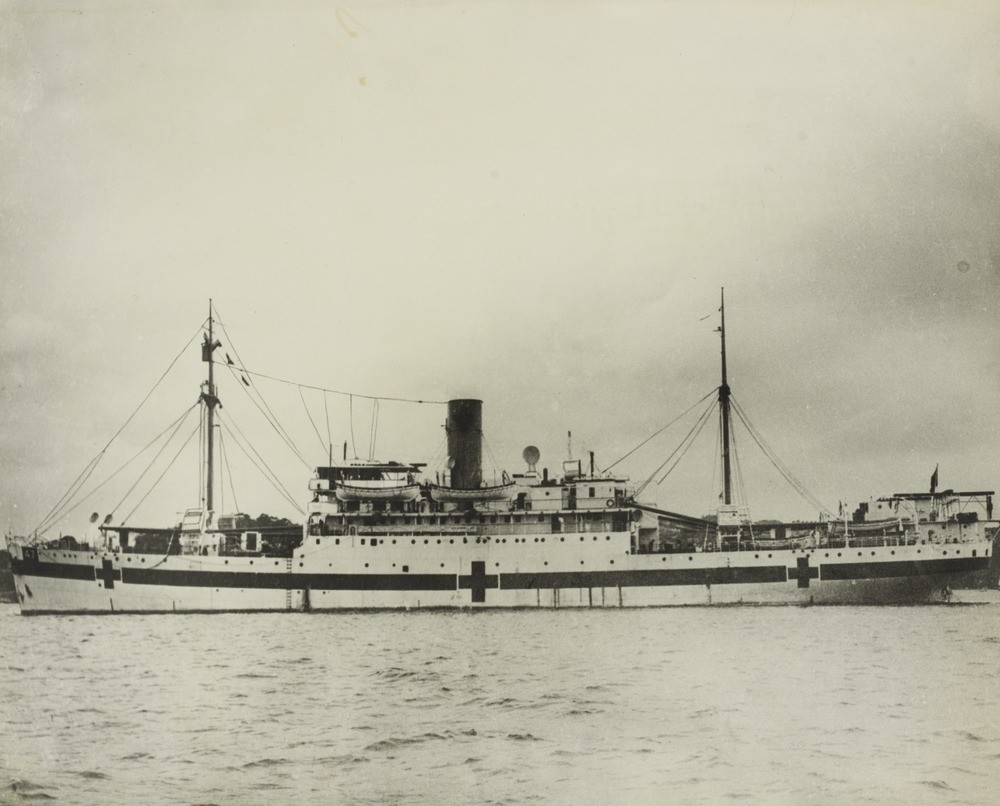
(266, 762)
(394, 742)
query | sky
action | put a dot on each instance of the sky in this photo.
(531, 203)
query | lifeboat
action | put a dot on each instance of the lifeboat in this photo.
(499, 492)
(376, 492)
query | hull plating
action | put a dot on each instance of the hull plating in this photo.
(568, 571)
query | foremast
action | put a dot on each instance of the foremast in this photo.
(209, 400)
(727, 479)
(731, 520)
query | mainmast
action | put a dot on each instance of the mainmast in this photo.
(208, 397)
(724, 408)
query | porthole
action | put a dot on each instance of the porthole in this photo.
(690, 559)
(317, 541)
(366, 565)
(827, 554)
(227, 561)
(769, 556)
(612, 562)
(545, 563)
(442, 565)
(893, 551)
(839, 554)
(756, 556)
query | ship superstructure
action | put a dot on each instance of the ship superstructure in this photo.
(384, 534)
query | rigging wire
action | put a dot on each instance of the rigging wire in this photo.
(275, 482)
(780, 466)
(741, 485)
(660, 431)
(158, 480)
(436, 460)
(713, 497)
(229, 470)
(265, 473)
(354, 447)
(374, 430)
(71, 506)
(222, 480)
(329, 437)
(92, 464)
(271, 420)
(153, 461)
(269, 416)
(690, 439)
(653, 475)
(202, 457)
(335, 391)
(493, 458)
(257, 454)
(311, 421)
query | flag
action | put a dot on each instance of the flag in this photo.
(934, 480)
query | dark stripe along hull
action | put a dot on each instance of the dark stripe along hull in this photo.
(61, 582)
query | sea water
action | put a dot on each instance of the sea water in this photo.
(785, 705)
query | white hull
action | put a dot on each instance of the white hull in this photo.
(448, 571)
